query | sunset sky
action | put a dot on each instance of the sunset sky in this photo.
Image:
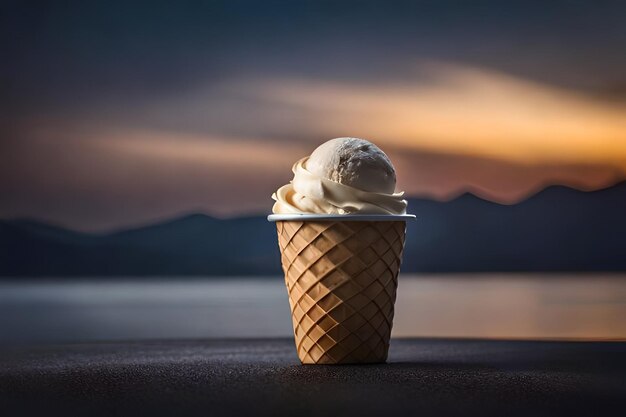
(114, 116)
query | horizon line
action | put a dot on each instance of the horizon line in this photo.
(191, 213)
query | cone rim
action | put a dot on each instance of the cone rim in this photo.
(340, 217)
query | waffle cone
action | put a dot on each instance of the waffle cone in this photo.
(341, 277)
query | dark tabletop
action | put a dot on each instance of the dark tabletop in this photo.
(263, 377)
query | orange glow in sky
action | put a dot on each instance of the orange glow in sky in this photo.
(467, 111)
(455, 129)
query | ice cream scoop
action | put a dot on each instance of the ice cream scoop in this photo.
(342, 176)
(354, 162)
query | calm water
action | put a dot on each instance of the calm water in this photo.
(496, 305)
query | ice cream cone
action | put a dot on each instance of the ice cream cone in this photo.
(341, 276)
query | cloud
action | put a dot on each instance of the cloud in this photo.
(463, 110)
(91, 178)
(499, 135)
(224, 149)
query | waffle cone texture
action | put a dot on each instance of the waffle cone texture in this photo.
(341, 277)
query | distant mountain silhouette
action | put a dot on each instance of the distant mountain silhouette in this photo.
(558, 229)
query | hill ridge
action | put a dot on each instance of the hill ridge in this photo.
(559, 229)
(205, 215)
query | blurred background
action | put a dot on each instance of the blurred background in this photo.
(140, 143)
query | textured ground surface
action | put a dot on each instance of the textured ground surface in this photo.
(263, 377)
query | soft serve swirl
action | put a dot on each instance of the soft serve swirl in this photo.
(311, 194)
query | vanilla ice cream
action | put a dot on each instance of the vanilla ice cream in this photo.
(342, 176)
